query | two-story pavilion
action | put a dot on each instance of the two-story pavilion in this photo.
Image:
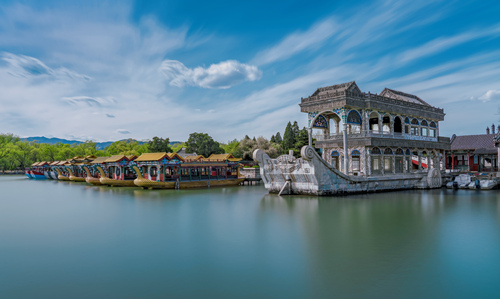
(374, 134)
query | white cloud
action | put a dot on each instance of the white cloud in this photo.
(222, 75)
(488, 96)
(297, 42)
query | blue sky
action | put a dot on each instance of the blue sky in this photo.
(109, 70)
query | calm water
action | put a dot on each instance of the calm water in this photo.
(70, 240)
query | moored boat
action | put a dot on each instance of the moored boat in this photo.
(118, 172)
(169, 171)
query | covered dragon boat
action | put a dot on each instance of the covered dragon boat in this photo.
(169, 171)
(118, 172)
(92, 174)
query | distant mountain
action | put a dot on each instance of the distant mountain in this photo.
(100, 145)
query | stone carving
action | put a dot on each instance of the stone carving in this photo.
(312, 175)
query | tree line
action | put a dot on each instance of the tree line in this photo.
(16, 153)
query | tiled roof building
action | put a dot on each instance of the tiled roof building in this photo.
(473, 152)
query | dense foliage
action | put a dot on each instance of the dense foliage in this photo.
(202, 144)
(18, 154)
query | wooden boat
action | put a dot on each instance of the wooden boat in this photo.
(118, 173)
(93, 177)
(61, 176)
(169, 171)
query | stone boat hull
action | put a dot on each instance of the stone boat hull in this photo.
(311, 175)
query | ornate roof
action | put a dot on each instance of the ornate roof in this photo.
(221, 157)
(474, 142)
(192, 158)
(349, 86)
(99, 160)
(116, 158)
(402, 96)
(151, 157)
(175, 155)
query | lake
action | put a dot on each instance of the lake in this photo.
(71, 240)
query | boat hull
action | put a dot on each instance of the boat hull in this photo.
(145, 183)
(37, 175)
(76, 179)
(93, 181)
(116, 183)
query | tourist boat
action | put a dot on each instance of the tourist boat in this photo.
(50, 172)
(37, 171)
(461, 181)
(169, 171)
(62, 174)
(93, 176)
(118, 172)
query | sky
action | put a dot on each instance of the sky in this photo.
(111, 70)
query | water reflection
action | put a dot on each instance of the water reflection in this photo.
(393, 243)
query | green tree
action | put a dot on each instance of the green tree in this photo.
(158, 145)
(301, 139)
(202, 144)
(278, 138)
(288, 138)
(231, 146)
(126, 147)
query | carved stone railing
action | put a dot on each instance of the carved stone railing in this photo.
(375, 134)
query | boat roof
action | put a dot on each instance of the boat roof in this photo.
(222, 157)
(175, 155)
(116, 158)
(193, 158)
(151, 157)
(99, 160)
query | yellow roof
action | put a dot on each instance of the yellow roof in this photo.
(193, 158)
(35, 164)
(116, 158)
(175, 155)
(99, 160)
(150, 157)
(234, 159)
(53, 163)
(131, 157)
(219, 157)
(90, 157)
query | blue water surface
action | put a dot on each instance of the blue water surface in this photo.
(71, 240)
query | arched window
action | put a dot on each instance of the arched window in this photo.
(335, 159)
(387, 151)
(414, 128)
(399, 152)
(408, 152)
(320, 122)
(414, 122)
(374, 121)
(433, 125)
(386, 124)
(398, 127)
(424, 123)
(407, 120)
(355, 160)
(375, 151)
(353, 117)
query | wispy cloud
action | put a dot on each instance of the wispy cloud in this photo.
(222, 75)
(122, 131)
(298, 42)
(30, 67)
(488, 96)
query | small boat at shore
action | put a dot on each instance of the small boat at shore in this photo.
(461, 181)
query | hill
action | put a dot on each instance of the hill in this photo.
(100, 145)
